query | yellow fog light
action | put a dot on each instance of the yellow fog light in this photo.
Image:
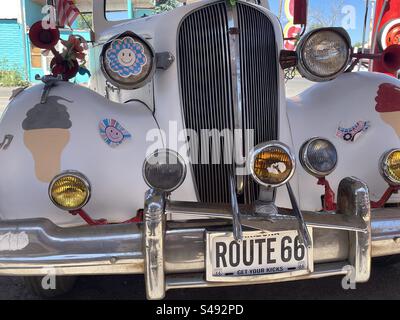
(70, 190)
(272, 164)
(390, 166)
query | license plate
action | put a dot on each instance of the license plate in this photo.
(261, 254)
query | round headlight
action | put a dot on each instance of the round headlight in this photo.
(324, 54)
(390, 166)
(128, 61)
(272, 164)
(69, 190)
(164, 170)
(318, 157)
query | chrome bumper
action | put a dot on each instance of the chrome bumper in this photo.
(172, 254)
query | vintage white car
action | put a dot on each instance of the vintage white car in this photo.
(186, 162)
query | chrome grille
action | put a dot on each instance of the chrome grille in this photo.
(206, 86)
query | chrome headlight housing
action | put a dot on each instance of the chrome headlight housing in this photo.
(70, 190)
(324, 53)
(128, 61)
(390, 167)
(319, 157)
(272, 164)
(164, 170)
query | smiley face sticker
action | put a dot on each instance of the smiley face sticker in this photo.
(112, 132)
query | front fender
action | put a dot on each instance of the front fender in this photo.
(43, 147)
(323, 108)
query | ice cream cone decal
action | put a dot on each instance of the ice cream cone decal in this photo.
(46, 135)
(388, 105)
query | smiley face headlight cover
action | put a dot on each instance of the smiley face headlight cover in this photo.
(128, 61)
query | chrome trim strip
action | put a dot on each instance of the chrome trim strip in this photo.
(284, 220)
(237, 225)
(303, 230)
(235, 63)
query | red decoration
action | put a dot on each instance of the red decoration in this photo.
(66, 63)
(388, 98)
(43, 38)
(64, 68)
(385, 198)
(329, 196)
(300, 12)
(393, 36)
(99, 222)
(291, 40)
(390, 13)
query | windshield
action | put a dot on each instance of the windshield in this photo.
(352, 15)
(133, 9)
(355, 16)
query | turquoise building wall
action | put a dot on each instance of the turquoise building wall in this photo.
(11, 45)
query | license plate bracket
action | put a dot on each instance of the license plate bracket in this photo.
(261, 256)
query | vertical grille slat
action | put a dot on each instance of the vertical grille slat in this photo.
(206, 87)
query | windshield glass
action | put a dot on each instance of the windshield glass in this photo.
(133, 9)
(355, 16)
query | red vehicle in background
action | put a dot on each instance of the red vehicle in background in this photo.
(386, 30)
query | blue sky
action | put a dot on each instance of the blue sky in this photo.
(323, 7)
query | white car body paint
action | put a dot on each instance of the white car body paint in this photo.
(319, 111)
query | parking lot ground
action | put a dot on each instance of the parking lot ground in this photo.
(5, 94)
(384, 284)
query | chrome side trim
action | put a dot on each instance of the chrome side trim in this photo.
(282, 221)
(235, 63)
(153, 244)
(237, 225)
(303, 230)
(353, 200)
